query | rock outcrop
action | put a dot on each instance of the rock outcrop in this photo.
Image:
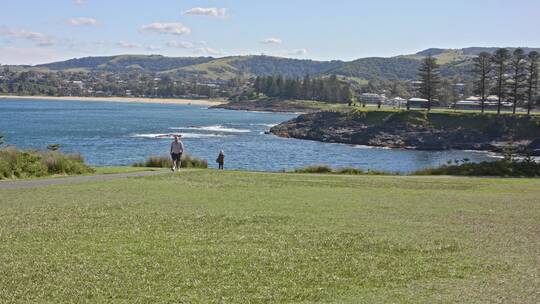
(418, 130)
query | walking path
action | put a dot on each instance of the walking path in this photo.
(24, 184)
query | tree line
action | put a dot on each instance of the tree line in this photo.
(512, 76)
(327, 89)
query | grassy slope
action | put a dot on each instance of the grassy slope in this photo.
(217, 68)
(445, 57)
(214, 237)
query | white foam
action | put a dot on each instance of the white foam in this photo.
(270, 125)
(215, 128)
(171, 135)
(370, 147)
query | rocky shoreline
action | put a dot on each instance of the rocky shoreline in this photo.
(418, 130)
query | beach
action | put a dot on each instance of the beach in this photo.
(204, 102)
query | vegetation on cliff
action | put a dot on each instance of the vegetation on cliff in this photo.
(417, 130)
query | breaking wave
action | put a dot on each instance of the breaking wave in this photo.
(171, 135)
(215, 128)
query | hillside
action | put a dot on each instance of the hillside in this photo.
(148, 63)
(454, 62)
(259, 66)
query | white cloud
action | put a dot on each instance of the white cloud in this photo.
(175, 28)
(38, 38)
(272, 40)
(80, 2)
(207, 11)
(207, 50)
(128, 45)
(82, 21)
(180, 44)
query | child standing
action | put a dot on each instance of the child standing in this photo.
(221, 159)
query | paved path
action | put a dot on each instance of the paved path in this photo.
(24, 184)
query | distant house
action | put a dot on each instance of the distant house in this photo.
(370, 98)
(417, 103)
(475, 103)
(471, 103)
(78, 83)
(397, 102)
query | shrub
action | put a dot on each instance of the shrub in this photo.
(349, 171)
(21, 164)
(324, 169)
(155, 162)
(166, 162)
(193, 162)
(319, 169)
(503, 168)
(58, 163)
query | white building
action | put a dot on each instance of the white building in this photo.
(417, 102)
(475, 103)
(398, 102)
(370, 98)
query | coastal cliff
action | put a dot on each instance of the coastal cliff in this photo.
(418, 130)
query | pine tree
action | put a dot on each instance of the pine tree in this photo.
(428, 73)
(280, 85)
(297, 90)
(258, 85)
(532, 77)
(274, 88)
(307, 90)
(518, 67)
(482, 69)
(346, 95)
(500, 62)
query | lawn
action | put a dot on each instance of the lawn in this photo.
(122, 169)
(203, 236)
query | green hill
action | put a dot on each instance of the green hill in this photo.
(148, 63)
(454, 62)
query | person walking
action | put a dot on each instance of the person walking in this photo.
(177, 149)
(221, 159)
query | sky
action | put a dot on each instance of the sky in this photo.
(39, 31)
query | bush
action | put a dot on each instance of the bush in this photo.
(58, 163)
(155, 162)
(350, 171)
(319, 169)
(324, 169)
(503, 168)
(193, 162)
(16, 163)
(166, 162)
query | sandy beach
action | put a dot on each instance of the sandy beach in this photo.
(204, 102)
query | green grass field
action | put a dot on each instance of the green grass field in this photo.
(203, 236)
(122, 169)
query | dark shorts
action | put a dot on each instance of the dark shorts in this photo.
(176, 156)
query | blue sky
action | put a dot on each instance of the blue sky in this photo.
(36, 31)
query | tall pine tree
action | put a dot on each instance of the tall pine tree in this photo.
(500, 66)
(428, 74)
(532, 77)
(482, 69)
(518, 69)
